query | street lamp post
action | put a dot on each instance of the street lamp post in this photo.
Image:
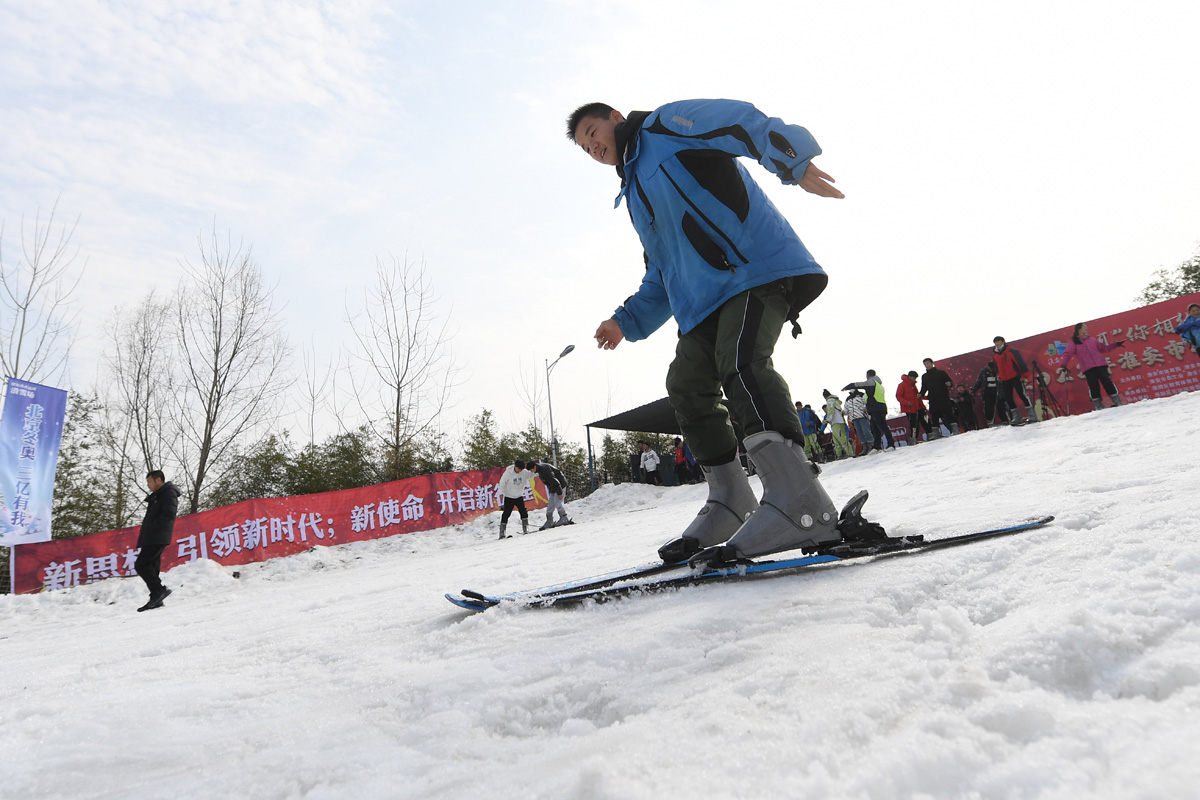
(553, 440)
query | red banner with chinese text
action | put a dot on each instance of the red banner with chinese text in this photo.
(256, 530)
(1155, 361)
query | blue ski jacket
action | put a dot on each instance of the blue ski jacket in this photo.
(1189, 329)
(810, 423)
(707, 229)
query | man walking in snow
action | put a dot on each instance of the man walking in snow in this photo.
(162, 506)
(512, 487)
(936, 385)
(721, 260)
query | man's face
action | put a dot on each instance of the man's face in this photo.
(597, 137)
(153, 484)
(928, 364)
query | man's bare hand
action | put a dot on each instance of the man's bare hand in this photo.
(817, 182)
(608, 335)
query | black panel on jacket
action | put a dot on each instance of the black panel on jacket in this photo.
(718, 175)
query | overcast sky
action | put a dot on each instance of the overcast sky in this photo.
(1008, 168)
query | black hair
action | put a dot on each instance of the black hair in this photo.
(157, 474)
(1193, 305)
(930, 360)
(1075, 335)
(999, 339)
(912, 373)
(600, 110)
(519, 464)
(870, 373)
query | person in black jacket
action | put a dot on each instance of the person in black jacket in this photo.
(936, 384)
(162, 505)
(556, 490)
(989, 382)
(965, 400)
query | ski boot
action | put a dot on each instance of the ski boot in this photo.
(549, 523)
(524, 525)
(503, 525)
(795, 511)
(730, 502)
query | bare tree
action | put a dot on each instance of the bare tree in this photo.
(531, 392)
(36, 319)
(406, 354)
(141, 367)
(315, 389)
(231, 356)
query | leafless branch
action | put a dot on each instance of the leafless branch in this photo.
(231, 355)
(404, 351)
(36, 319)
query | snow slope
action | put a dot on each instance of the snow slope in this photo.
(1061, 663)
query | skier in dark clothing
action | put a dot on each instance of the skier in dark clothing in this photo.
(162, 505)
(989, 382)
(965, 401)
(556, 490)
(936, 384)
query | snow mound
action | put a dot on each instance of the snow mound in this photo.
(1060, 663)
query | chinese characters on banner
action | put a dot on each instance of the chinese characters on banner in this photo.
(1155, 361)
(30, 432)
(256, 530)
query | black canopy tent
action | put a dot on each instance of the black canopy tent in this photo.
(653, 417)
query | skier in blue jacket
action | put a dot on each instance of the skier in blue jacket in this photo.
(723, 262)
(1189, 328)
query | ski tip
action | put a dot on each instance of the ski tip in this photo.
(465, 603)
(479, 597)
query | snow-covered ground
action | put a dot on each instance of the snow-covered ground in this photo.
(1061, 663)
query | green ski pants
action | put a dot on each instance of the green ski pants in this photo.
(731, 350)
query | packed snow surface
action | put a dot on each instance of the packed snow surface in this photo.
(1059, 663)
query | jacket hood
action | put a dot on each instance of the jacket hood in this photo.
(166, 488)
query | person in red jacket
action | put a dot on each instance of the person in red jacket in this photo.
(1011, 369)
(911, 404)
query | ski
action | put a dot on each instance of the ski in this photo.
(659, 577)
(477, 601)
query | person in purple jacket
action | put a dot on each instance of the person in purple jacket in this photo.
(1090, 353)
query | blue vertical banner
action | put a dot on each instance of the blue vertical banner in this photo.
(30, 432)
